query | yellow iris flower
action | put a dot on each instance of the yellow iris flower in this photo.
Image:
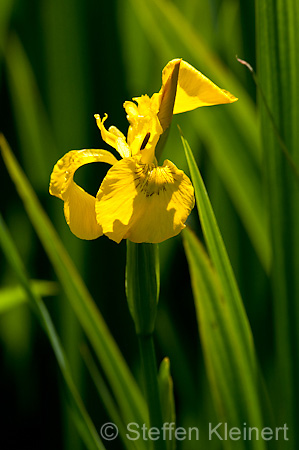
(137, 200)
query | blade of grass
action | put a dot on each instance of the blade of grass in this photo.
(32, 123)
(172, 342)
(278, 72)
(218, 253)
(241, 180)
(35, 133)
(167, 401)
(67, 77)
(106, 398)
(282, 145)
(221, 262)
(233, 379)
(136, 50)
(88, 431)
(12, 296)
(122, 383)
(6, 7)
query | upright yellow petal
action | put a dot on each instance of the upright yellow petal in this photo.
(145, 128)
(143, 202)
(113, 137)
(79, 206)
(168, 96)
(194, 89)
(139, 120)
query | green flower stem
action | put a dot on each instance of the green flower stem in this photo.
(142, 289)
(143, 285)
(150, 378)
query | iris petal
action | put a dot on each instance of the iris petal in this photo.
(113, 137)
(79, 212)
(142, 202)
(194, 89)
(145, 129)
(79, 206)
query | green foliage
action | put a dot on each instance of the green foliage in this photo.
(233, 380)
(87, 430)
(130, 400)
(12, 296)
(167, 399)
(62, 62)
(278, 70)
(223, 325)
(143, 285)
(231, 133)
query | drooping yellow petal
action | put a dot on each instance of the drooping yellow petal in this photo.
(79, 206)
(113, 137)
(65, 168)
(194, 89)
(79, 212)
(143, 202)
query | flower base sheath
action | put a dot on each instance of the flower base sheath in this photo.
(137, 200)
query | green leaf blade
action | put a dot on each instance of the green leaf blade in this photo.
(278, 72)
(124, 386)
(233, 379)
(217, 250)
(86, 427)
(167, 401)
(12, 296)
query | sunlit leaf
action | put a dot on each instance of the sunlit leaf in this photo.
(218, 253)
(233, 377)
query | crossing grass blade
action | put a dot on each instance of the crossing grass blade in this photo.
(12, 296)
(86, 429)
(233, 377)
(123, 385)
